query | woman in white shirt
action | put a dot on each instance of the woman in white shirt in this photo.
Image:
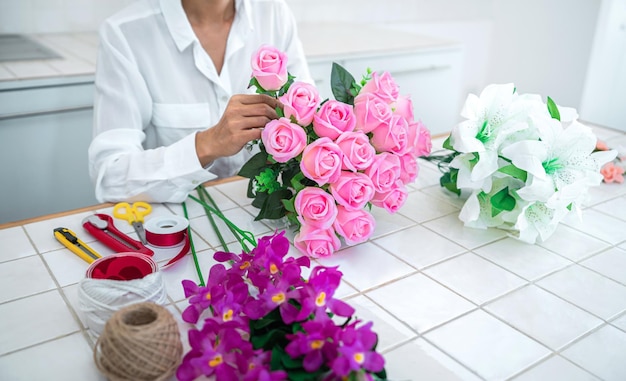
(169, 110)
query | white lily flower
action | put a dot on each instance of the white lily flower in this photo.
(475, 173)
(561, 159)
(538, 220)
(493, 119)
(477, 212)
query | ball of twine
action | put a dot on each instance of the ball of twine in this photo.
(139, 342)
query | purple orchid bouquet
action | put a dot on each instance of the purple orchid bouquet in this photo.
(261, 320)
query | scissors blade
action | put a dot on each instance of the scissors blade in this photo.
(141, 232)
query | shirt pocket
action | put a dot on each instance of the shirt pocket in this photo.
(181, 115)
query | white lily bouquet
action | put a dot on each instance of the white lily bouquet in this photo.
(523, 163)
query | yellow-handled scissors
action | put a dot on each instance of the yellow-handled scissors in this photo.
(134, 214)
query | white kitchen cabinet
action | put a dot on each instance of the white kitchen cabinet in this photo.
(45, 130)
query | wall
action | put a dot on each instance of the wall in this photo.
(55, 16)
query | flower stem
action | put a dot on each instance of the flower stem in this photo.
(193, 249)
(202, 190)
(241, 235)
(203, 193)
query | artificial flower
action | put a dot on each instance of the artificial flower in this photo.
(612, 173)
(269, 67)
(525, 164)
(284, 326)
(357, 150)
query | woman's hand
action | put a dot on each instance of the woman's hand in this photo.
(242, 121)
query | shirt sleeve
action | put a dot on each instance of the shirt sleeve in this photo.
(119, 166)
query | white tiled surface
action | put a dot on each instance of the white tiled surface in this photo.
(450, 303)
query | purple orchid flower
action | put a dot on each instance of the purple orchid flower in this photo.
(227, 309)
(287, 287)
(213, 351)
(318, 294)
(240, 264)
(318, 343)
(200, 297)
(356, 351)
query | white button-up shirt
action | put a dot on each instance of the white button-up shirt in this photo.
(156, 87)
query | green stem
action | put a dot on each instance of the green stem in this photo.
(214, 204)
(217, 231)
(193, 249)
(241, 234)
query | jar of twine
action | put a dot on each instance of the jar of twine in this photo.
(140, 342)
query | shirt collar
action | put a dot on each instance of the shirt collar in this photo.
(180, 28)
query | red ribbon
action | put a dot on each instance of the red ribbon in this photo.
(168, 238)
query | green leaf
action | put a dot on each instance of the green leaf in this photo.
(272, 208)
(448, 181)
(382, 375)
(513, 171)
(255, 83)
(267, 340)
(340, 83)
(447, 144)
(286, 86)
(272, 317)
(254, 166)
(260, 199)
(250, 193)
(502, 201)
(296, 182)
(289, 205)
(553, 109)
(290, 363)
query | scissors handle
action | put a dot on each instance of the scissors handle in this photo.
(141, 209)
(132, 213)
(124, 211)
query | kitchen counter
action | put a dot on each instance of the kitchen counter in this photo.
(448, 302)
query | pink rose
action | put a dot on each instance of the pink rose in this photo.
(404, 107)
(358, 152)
(301, 101)
(353, 190)
(419, 138)
(321, 161)
(371, 111)
(382, 86)
(283, 140)
(384, 171)
(269, 67)
(410, 168)
(392, 136)
(316, 242)
(333, 118)
(355, 226)
(612, 173)
(315, 207)
(393, 199)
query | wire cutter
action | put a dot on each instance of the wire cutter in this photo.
(134, 214)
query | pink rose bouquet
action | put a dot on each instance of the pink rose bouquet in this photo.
(324, 163)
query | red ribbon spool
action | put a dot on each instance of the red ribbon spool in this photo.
(168, 231)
